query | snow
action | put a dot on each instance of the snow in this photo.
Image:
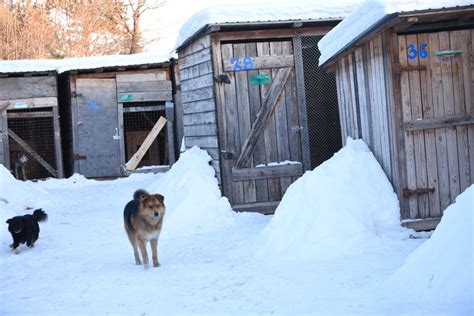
(348, 204)
(83, 63)
(347, 257)
(367, 15)
(263, 12)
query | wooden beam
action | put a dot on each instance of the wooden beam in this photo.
(266, 62)
(29, 103)
(137, 157)
(15, 115)
(422, 224)
(32, 153)
(258, 207)
(258, 173)
(263, 116)
(144, 108)
(145, 96)
(451, 121)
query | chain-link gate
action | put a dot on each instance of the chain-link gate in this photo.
(31, 143)
(322, 110)
(138, 122)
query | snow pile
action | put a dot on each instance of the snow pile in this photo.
(367, 16)
(340, 207)
(192, 196)
(271, 11)
(442, 268)
(20, 194)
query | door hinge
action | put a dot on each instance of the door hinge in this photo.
(227, 155)
(79, 157)
(407, 193)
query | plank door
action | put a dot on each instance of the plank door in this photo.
(436, 76)
(259, 123)
(97, 140)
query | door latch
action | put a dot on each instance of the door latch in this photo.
(407, 193)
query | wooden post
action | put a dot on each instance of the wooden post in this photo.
(170, 131)
(137, 157)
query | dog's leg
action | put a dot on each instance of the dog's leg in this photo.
(133, 241)
(23, 173)
(154, 250)
(16, 172)
(142, 245)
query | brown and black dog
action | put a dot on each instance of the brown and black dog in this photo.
(143, 219)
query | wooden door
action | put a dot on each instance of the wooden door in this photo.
(97, 140)
(259, 123)
(436, 76)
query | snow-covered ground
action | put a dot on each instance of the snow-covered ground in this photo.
(334, 247)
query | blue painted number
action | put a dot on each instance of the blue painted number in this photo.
(237, 64)
(413, 53)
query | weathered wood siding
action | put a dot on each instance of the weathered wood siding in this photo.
(197, 98)
(365, 102)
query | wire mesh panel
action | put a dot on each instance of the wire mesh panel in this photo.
(35, 128)
(137, 124)
(322, 110)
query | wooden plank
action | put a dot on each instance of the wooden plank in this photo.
(430, 137)
(197, 95)
(13, 88)
(199, 106)
(237, 63)
(418, 136)
(145, 96)
(468, 71)
(197, 82)
(141, 77)
(243, 106)
(57, 143)
(29, 103)
(255, 103)
(259, 207)
(440, 133)
(170, 132)
(459, 41)
(263, 116)
(195, 58)
(202, 141)
(151, 108)
(232, 143)
(16, 115)
(201, 130)
(137, 157)
(364, 109)
(407, 116)
(143, 86)
(32, 153)
(199, 44)
(449, 110)
(291, 170)
(301, 114)
(426, 224)
(374, 101)
(434, 123)
(200, 118)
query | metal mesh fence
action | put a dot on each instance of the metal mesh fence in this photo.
(322, 110)
(137, 125)
(35, 128)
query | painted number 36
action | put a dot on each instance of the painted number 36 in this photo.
(413, 53)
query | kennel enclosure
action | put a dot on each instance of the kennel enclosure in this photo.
(29, 123)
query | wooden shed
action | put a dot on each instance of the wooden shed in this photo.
(29, 122)
(406, 87)
(254, 97)
(107, 111)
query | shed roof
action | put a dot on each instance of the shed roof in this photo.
(83, 64)
(372, 15)
(263, 14)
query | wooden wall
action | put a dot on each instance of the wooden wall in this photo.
(198, 102)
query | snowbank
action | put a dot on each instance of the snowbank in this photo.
(192, 196)
(367, 16)
(340, 207)
(442, 268)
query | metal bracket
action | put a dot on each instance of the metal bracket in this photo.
(222, 79)
(407, 193)
(227, 155)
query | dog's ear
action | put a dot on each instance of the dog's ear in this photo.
(143, 197)
(160, 198)
(8, 221)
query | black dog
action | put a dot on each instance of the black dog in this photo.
(25, 228)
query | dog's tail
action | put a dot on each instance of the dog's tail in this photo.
(39, 215)
(138, 193)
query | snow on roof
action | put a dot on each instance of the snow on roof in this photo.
(82, 63)
(307, 10)
(368, 16)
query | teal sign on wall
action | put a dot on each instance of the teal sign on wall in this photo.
(126, 97)
(257, 79)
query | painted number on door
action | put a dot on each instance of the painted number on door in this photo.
(239, 64)
(413, 53)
